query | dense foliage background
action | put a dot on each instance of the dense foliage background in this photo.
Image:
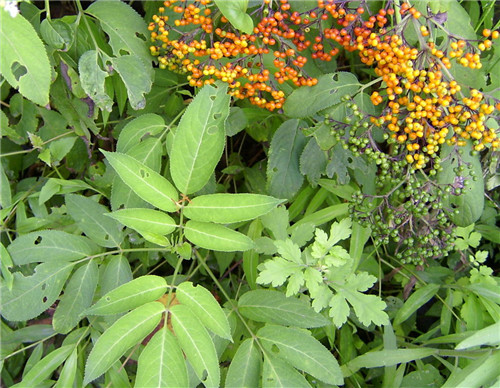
(250, 193)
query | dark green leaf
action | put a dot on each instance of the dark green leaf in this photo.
(415, 301)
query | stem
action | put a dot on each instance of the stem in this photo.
(47, 9)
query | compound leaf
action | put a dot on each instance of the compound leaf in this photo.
(149, 220)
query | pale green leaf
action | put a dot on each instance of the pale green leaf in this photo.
(289, 251)
(229, 208)
(126, 332)
(161, 363)
(368, 308)
(203, 304)
(489, 335)
(5, 265)
(284, 178)
(136, 78)
(137, 129)
(50, 246)
(116, 273)
(32, 295)
(130, 295)
(20, 45)
(299, 348)
(235, 12)
(90, 217)
(146, 183)
(5, 193)
(68, 372)
(196, 344)
(77, 296)
(339, 309)
(327, 92)
(152, 221)
(216, 237)
(274, 307)
(244, 370)
(415, 301)
(477, 374)
(277, 373)
(276, 271)
(92, 79)
(199, 139)
(489, 291)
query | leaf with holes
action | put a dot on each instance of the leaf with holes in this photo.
(300, 349)
(20, 45)
(199, 139)
(50, 246)
(90, 217)
(32, 295)
(203, 304)
(161, 363)
(196, 344)
(146, 183)
(126, 332)
(136, 78)
(130, 295)
(92, 78)
(77, 297)
(216, 237)
(145, 220)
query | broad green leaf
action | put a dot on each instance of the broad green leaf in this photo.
(199, 139)
(284, 178)
(130, 295)
(216, 237)
(92, 79)
(32, 295)
(490, 335)
(136, 78)
(235, 12)
(229, 208)
(470, 203)
(90, 217)
(32, 333)
(161, 363)
(146, 183)
(415, 301)
(327, 92)
(274, 307)
(299, 348)
(313, 162)
(489, 291)
(137, 129)
(203, 304)
(5, 265)
(277, 373)
(126, 29)
(50, 246)
(385, 358)
(77, 296)
(68, 372)
(20, 45)
(116, 273)
(5, 193)
(44, 368)
(244, 370)
(196, 344)
(251, 257)
(149, 220)
(57, 33)
(120, 337)
(479, 373)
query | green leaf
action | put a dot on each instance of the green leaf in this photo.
(327, 92)
(137, 129)
(478, 373)
(120, 337)
(470, 203)
(32, 295)
(284, 178)
(116, 273)
(57, 33)
(148, 220)
(490, 335)
(136, 78)
(126, 29)
(5, 265)
(146, 183)
(235, 12)
(385, 358)
(277, 373)
(50, 246)
(161, 363)
(216, 237)
(274, 307)
(244, 370)
(251, 257)
(299, 348)
(20, 45)
(90, 217)
(203, 304)
(5, 193)
(77, 296)
(130, 295)
(199, 139)
(44, 368)
(196, 344)
(415, 301)
(489, 291)
(229, 208)
(68, 372)
(93, 78)
(313, 162)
